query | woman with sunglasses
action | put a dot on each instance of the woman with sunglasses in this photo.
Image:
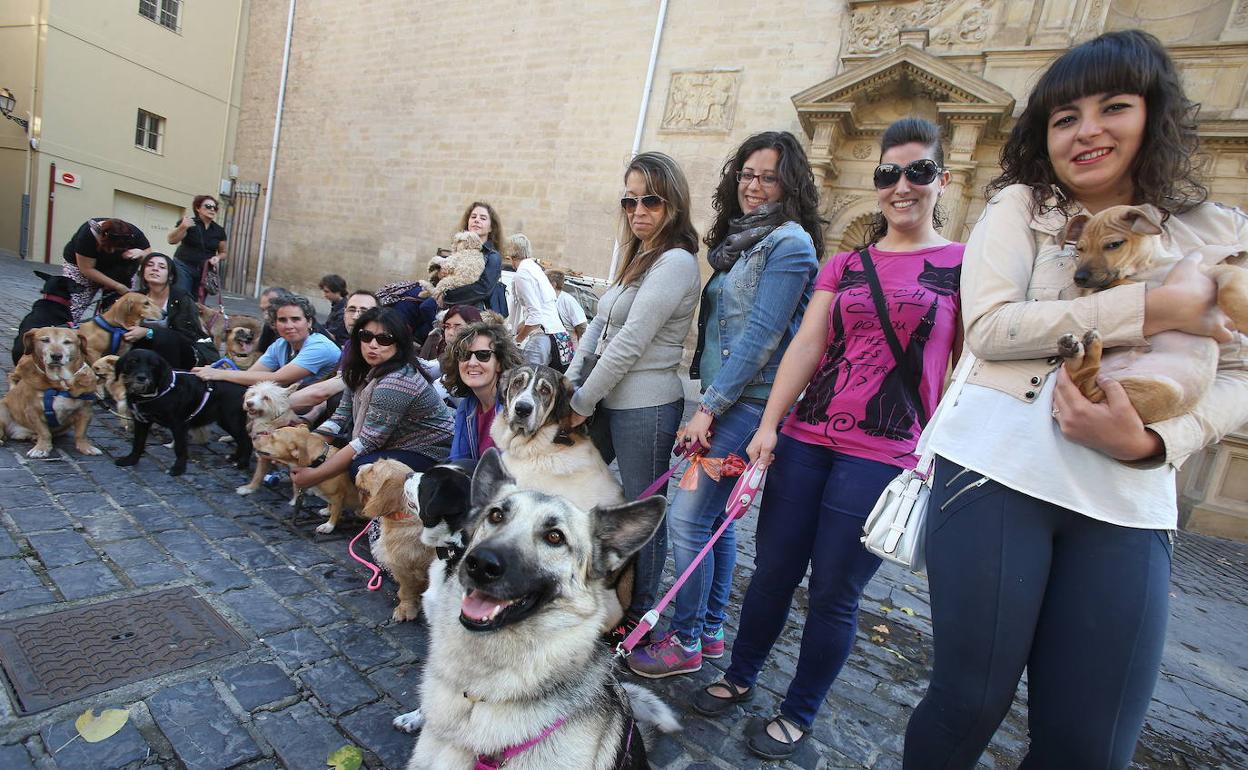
(472, 367)
(764, 251)
(201, 245)
(389, 407)
(1050, 520)
(850, 436)
(625, 366)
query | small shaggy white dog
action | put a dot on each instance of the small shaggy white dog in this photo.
(463, 266)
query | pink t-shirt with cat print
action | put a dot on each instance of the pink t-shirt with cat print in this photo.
(856, 402)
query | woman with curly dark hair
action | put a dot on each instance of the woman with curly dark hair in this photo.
(765, 247)
(1048, 533)
(472, 367)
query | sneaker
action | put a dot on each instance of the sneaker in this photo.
(665, 657)
(617, 635)
(713, 644)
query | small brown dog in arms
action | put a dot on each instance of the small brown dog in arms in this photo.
(126, 313)
(51, 390)
(267, 405)
(1168, 376)
(301, 448)
(397, 544)
(463, 266)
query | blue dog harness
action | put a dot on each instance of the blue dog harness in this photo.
(115, 333)
(224, 363)
(49, 398)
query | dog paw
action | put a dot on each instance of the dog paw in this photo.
(405, 612)
(409, 722)
(168, 446)
(244, 490)
(87, 449)
(127, 460)
(325, 512)
(1068, 346)
(38, 452)
(1092, 337)
(325, 528)
(226, 439)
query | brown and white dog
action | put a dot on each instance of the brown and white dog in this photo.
(299, 447)
(268, 408)
(127, 312)
(51, 390)
(109, 387)
(242, 340)
(1167, 377)
(398, 546)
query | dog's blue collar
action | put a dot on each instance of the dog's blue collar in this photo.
(115, 333)
(49, 398)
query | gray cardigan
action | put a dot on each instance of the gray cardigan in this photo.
(639, 334)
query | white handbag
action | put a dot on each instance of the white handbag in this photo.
(894, 529)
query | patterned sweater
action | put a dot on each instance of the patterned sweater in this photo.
(403, 412)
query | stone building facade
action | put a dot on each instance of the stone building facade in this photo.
(397, 115)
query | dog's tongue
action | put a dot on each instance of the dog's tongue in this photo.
(481, 606)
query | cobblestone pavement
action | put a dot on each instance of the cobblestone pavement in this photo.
(324, 667)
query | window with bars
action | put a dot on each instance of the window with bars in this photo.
(166, 13)
(149, 133)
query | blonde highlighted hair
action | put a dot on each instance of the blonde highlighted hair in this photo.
(664, 179)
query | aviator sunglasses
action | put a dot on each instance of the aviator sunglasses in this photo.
(921, 172)
(383, 339)
(651, 202)
(480, 355)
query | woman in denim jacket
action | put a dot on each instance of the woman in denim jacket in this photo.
(764, 248)
(475, 382)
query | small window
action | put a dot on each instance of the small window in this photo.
(149, 133)
(166, 13)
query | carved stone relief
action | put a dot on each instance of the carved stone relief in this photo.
(836, 203)
(701, 101)
(1240, 18)
(972, 27)
(873, 29)
(862, 150)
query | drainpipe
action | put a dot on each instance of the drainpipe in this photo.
(277, 134)
(641, 113)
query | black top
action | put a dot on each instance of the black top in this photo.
(335, 324)
(200, 243)
(478, 293)
(109, 263)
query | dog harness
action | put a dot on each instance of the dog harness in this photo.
(49, 398)
(487, 762)
(224, 363)
(134, 403)
(115, 333)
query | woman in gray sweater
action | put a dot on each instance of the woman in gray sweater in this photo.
(625, 366)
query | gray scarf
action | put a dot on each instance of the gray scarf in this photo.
(743, 233)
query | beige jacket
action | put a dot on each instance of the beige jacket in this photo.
(1019, 297)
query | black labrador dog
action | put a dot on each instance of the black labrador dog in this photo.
(52, 309)
(179, 401)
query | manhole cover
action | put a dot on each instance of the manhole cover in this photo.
(61, 656)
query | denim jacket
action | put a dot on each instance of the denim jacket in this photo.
(760, 305)
(464, 440)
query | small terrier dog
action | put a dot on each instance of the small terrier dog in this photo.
(463, 266)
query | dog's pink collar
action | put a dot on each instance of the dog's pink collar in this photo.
(56, 299)
(485, 762)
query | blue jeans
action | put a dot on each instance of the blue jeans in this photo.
(814, 505)
(641, 440)
(1018, 583)
(696, 515)
(187, 277)
(414, 460)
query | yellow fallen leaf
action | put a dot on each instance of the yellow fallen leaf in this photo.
(346, 758)
(907, 610)
(877, 639)
(94, 729)
(883, 629)
(885, 610)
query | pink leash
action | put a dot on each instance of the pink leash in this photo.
(682, 453)
(490, 763)
(739, 503)
(375, 581)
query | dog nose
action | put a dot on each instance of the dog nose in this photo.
(1082, 277)
(484, 565)
(56, 357)
(523, 409)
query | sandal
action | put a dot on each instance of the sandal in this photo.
(710, 705)
(762, 744)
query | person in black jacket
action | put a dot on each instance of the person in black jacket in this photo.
(201, 245)
(179, 337)
(481, 219)
(102, 255)
(334, 289)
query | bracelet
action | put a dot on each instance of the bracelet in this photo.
(150, 333)
(702, 408)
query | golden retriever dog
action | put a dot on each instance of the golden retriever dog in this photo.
(125, 313)
(267, 405)
(51, 390)
(397, 546)
(299, 447)
(1168, 376)
(109, 387)
(461, 267)
(242, 340)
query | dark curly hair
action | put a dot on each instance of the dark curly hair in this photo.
(799, 201)
(501, 342)
(909, 130)
(1126, 62)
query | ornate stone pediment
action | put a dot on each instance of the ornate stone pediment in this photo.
(908, 73)
(876, 25)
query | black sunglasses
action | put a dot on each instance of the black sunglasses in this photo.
(480, 355)
(651, 202)
(921, 172)
(384, 339)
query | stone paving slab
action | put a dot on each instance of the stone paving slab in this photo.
(325, 667)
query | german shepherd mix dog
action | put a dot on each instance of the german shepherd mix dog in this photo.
(516, 671)
(1168, 376)
(52, 309)
(179, 401)
(50, 391)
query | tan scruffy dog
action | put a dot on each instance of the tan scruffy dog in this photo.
(267, 405)
(398, 547)
(1168, 376)
(110, 387)
(51, 390)
(297, 446)
(126, 312)
(463, 266)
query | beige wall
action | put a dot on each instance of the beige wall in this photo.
(19, 32)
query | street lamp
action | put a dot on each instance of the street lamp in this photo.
(7, 103)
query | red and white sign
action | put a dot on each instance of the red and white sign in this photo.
(68, 178)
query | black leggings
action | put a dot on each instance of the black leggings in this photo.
(1017, 582)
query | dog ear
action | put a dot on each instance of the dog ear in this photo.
(563, 403)
(621, 530)
(303, 449)
(28, 341)
(490, 478)
(1144, 219)
(43, 275)
(1074, 228)
(290, 391)
(82, 345)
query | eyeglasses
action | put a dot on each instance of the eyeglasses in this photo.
(210, 206)
(651, 202)
(480, 355)
(384, 339)
(921, 172)
(766, 180)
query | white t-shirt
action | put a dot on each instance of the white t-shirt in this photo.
(536, 304)
(570, 311)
